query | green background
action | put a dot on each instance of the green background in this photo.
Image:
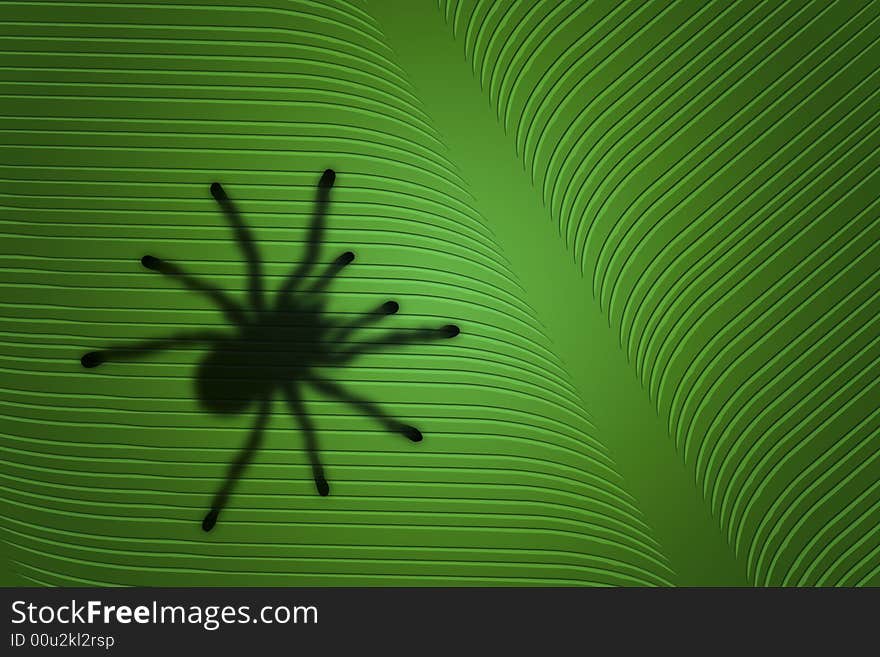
(656, 224)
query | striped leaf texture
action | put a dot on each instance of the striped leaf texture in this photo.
(655, 223)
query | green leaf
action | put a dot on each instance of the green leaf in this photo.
(655, 223)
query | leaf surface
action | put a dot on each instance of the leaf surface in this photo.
(655, 224)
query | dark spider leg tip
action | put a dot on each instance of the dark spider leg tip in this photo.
(218, 192)
(327, 179)
(151, 262)
(210, 520)
(92, 359)
(322, 485)
(389, 307)
(450, 331)
(346, 258)
(411, 432)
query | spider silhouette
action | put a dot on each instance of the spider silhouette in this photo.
(276, 347)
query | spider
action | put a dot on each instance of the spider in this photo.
(276, 347)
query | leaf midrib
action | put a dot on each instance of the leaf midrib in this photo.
(629, 427)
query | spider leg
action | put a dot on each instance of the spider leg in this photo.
(394, 338)
(246, 241)
(238, 465)
(316, 234)
(298, 409)
(331, 272)
(229, 307)
(342, 332)
(138, 349)
(369, 408)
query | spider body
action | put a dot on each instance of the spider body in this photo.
(264, 357)
(275, 348)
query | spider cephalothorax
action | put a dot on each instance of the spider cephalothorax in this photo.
(277, 345)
